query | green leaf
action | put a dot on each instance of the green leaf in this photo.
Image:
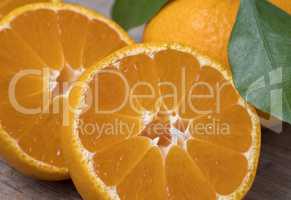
(132, 13)
(260, 55)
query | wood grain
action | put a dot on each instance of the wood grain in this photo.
(273, 181)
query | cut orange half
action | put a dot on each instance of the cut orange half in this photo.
(160, 121)
(8, 5)
(44, 48)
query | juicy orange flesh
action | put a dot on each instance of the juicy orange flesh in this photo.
(52, 43)
(217, 167)
(8, 5)
(185, 178)
(151, 181)
(142, 162)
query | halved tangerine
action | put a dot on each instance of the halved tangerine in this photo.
(44, 48)
(160, 121)
(7, 6)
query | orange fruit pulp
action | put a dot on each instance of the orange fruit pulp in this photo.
(160, 121)
(8, 5)
(44, 48)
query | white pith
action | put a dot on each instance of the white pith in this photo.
(17, 153)
(251, 154)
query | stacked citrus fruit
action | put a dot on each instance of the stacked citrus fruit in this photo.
(149, 121)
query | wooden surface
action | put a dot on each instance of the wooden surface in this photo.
(273, 181)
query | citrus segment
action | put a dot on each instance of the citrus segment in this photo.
(19, 120)
(73, 27)
(99, 43)
(102, 131)
(113, 164)
(225, 129)
(38, 137)
(8, 5)
(142, 78)
(147, 180)
(177, 75)
(217, 163)
(42, 54)
(185, 178)
(39, 29)
(209, 93)
(167, 157)
(12, 46)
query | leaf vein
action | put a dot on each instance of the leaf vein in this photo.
(263, 38)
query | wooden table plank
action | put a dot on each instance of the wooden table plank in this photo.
(15, 186)
(273, 181)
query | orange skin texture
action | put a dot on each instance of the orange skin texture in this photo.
(205, 25)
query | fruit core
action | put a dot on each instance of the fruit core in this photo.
(165, 129)
(62, 81)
